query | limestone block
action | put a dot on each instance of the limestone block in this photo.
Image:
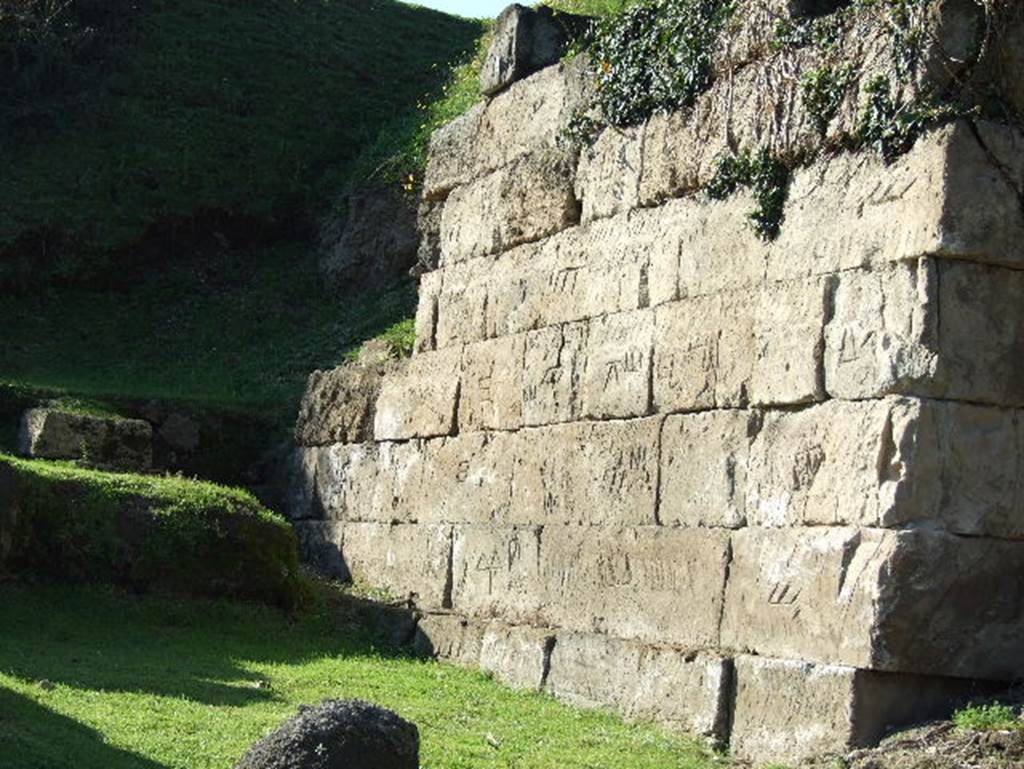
(704, 459)
(787, 711)
(644, 683)
(728, 350)
(409, 561)
(937, 328)
(427, 309)
(492, 385)
(495, 572)
(876, 599)
(320, 546)
(517, 656)
(553, 368)
(449, 637)
(113, 443)
(451, 160)
(462, 305)
(338, 405)
(587, 473)
(617, 380)
(525, 40)
(466, 479)
(608, 175)
(519, 203)
(386, 485)
(338, 482)
(303, 473)
(421, 400)
(627, 582)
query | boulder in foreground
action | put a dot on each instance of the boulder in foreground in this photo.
(338, 734)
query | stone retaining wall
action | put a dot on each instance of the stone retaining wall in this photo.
(767, 492)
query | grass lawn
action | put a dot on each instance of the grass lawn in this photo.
(97, 679)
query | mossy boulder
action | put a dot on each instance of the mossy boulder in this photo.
(144, 532)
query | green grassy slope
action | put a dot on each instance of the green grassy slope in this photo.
(250, 112)
(103, 681)
(162, 230)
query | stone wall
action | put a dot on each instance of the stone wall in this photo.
(767, 492)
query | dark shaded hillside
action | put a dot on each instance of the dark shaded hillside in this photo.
(201, 116)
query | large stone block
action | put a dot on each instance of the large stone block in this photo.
(449, 637)
(525, 40)
(936, 328)
(112, 443)
(617, 379)
(421, 400)
(519, 203)
(492, 385)
(587, 473)
(877, 599)
(553, 368)
(338, 405)
(689, 692)
(704, 459)
(409, 561)
(627, 582)
(465, 479)
(728, 350)
(426, 310)
(787, 711)
(517, 656)
(608, 175)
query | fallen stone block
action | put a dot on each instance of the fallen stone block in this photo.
(788, 711)
(523, 202)
(874, 599)
(112, 443)
(689, 692)
(409, 561)
(421, 400)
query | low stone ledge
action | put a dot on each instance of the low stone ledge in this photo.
(874, 599)
(686, 691)
(112, 443)
(787, 711)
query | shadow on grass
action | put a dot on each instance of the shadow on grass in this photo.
(34, 737)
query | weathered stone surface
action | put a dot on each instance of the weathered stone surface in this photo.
(689, 692)
(617, 381)
(587, 473)
(492, 385)
(452, 157)
(111, 443)
(449, 637)
(875, 599)
(608, 175)
(338, 734)
(788, 710)
(338, 405)
(703, 475)
(627, 582)
(553, 367)
(409, 561)
(466, 479)
(426, 311)
(517, 656)
(525, 40)
(729, 350)
(519, 203)
(421, 400)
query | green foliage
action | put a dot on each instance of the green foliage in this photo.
(401, 337)
(823, 90)
(214, 111)
(148, 532)
(766, 176)
(891, 126)
(655, 55)
(986, 718)
(151, 683)
(590, 7)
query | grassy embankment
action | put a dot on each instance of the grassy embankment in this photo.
(109, 681)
